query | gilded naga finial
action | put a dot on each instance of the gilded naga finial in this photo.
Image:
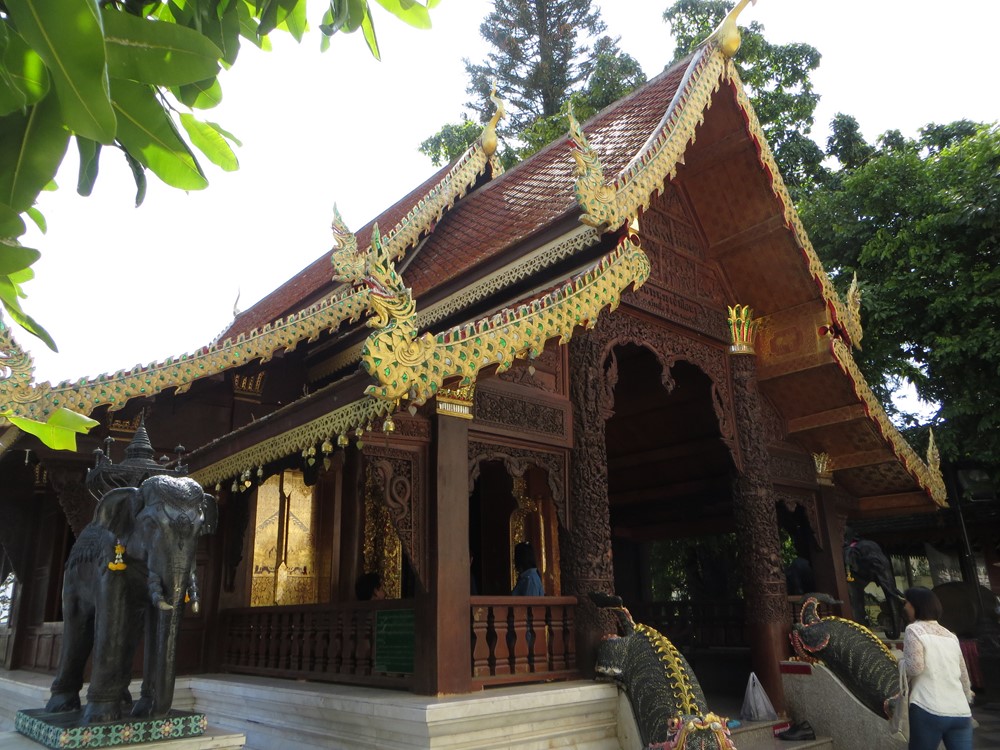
(727, 35)
(597, 198)
(854, 312)
(933, 455)
(489, 136)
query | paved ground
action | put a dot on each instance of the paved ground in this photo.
(987, 735)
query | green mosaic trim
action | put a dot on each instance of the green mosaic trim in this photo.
(59, 730)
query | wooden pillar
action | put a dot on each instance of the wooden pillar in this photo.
(757, 531)
(585, 546)
(443, 660)
(831, 577)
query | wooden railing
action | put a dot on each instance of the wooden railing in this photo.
(332, 643)
(522, 639)
(514, 639)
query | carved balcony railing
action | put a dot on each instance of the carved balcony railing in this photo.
(515, 639)
(331, 643)
(522, 639)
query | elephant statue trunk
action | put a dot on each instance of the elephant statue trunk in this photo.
(131, 568)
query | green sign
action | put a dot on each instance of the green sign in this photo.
(394, 641)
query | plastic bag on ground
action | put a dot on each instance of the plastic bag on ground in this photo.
(756, 705)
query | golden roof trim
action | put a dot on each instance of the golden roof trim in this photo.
(25, 398)
(606, 206)
(523, 267)
(550, 315)
(414, 367)
(333, 427)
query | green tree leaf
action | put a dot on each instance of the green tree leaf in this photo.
(201, 95)
(59, 432)
(10, 292)
(67, 35)
(15, 258)
(409, 12)
(292, 18)
(157, 52)
(31, 148)
(368, 29)
(38, 218)
(90, 155)
(147, 132)
(11, 223)
(139, 175)
(210, 142)
(23, 77)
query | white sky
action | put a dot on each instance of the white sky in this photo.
(118, 286)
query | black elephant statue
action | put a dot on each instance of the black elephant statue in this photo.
(865, 563)
(131, 569)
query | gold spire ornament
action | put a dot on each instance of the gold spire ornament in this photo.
(727, 35)
(742, 329)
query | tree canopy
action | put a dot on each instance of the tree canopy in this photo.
(543, 55)
(128, 75)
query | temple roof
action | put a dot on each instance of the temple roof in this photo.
(690, 129)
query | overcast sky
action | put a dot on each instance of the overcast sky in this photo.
(119, 286)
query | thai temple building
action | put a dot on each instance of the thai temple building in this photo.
(624, 341)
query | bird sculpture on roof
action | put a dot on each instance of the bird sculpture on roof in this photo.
(727, 35)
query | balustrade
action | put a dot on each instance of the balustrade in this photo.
(522, 639)
(514, 639)
(333, 643)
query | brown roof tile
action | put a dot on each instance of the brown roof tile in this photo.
(496, 217)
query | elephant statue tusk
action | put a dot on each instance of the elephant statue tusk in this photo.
(164, 605)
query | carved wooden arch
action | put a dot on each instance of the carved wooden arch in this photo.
(517, 461)
(669, 347)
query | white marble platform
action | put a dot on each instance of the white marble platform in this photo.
(280, 714)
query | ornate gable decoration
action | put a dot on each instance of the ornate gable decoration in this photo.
(608, 204)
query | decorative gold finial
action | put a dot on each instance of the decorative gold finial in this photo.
(727, 35)
(824, 468)
(489, 136)
(933, 455)
(853, 321)
(742, 329)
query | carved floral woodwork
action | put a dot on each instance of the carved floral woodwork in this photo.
(75, 500)
(521, 412)
(397, 479)
(754, 506)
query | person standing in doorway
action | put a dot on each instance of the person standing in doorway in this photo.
(529, 583)
(940, 692)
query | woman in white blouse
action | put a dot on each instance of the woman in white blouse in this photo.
(940, 692)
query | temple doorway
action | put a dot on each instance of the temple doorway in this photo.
(670, 477)
(505, 509)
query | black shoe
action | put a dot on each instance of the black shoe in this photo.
(798, 732)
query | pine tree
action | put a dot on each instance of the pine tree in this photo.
(545, 53)
(542, 51)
